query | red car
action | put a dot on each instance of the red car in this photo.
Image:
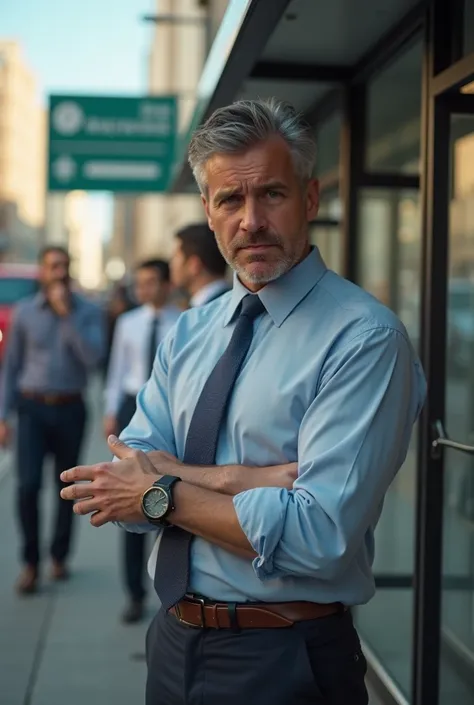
(17, 281)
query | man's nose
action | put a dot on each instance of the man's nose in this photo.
(253, 218)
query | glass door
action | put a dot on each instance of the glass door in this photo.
(457, 598)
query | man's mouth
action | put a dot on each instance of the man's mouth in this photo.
(259, 246)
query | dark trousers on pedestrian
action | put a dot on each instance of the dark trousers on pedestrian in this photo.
(134, 545)
(46, 429)
(317, 662)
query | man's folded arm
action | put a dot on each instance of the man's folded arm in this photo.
(353, 440)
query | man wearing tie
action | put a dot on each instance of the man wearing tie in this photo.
(296, 367)
(135, 342)
(197, 265)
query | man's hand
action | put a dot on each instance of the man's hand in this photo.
(279, 476)
(5, 434)
(59, 298)
(112, 491)
(110, 426)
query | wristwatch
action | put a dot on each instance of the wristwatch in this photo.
(157, 500)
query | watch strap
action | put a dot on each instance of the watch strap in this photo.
(166, 482)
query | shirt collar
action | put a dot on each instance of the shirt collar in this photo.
(281, 296)
(202, 296)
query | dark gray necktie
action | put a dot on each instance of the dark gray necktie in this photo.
(172, 567)
(153, 342)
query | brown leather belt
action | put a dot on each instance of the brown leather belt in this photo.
(53, 398)
(197, 612)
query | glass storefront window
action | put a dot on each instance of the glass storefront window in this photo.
(390, 252)
(328, 237)
(328, 139)
(328, 240)
(389, 266)
(393, 116)
(457, 620)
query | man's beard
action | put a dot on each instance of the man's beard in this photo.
(280, 267)
(277, 270)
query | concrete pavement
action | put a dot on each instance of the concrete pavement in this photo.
(66, 646)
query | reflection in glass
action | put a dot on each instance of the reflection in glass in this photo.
(328, 238)
(394, 109)
(457, 623)
(328, 241)
(328, 140)
(389, 258)
(389, 266)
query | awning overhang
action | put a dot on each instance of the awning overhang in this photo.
(298, 50)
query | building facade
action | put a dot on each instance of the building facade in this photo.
(22, 157)
(182, 31)
(71, 223)
(388, 89)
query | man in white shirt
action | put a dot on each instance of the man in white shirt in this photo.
(197, 265)
(136, 339)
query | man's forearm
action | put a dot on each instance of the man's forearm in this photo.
(228, 479)
(211, 516)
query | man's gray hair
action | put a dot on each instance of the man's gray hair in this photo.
(237, 127)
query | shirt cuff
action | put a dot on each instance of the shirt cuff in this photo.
(261, 513)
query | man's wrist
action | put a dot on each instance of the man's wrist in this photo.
(147, 482)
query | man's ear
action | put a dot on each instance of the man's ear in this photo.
(312, 199)
(205, 203)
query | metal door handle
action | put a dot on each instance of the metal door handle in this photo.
(441, 438)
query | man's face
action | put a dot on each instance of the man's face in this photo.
(259, 211)
(149, 287)
(54, 268)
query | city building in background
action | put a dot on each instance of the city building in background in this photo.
(182, 33)
(387, 88)
(71, 223)
(22, 157)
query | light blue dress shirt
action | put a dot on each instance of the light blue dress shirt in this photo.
(330, 381)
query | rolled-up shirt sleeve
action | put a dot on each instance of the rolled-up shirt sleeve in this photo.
(352, 441)
(151, 427)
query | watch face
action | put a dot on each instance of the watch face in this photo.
(155, 503)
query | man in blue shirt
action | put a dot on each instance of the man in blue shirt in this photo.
(57, 337)
(259, 563)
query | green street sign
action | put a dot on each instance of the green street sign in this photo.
(111, 144)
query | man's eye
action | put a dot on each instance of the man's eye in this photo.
(273, 194)
(231, 199)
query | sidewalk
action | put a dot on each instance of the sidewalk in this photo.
(66, 646)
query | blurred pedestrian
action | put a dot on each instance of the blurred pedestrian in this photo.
(119, 302)
(197, 265)
(137, 336)
(56, 338)
(260, 561)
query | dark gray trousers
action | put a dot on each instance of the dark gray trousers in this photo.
(318, 662)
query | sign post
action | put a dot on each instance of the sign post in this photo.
(111, 144)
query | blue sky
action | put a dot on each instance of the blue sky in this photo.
(83, 46)
(95, 46)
